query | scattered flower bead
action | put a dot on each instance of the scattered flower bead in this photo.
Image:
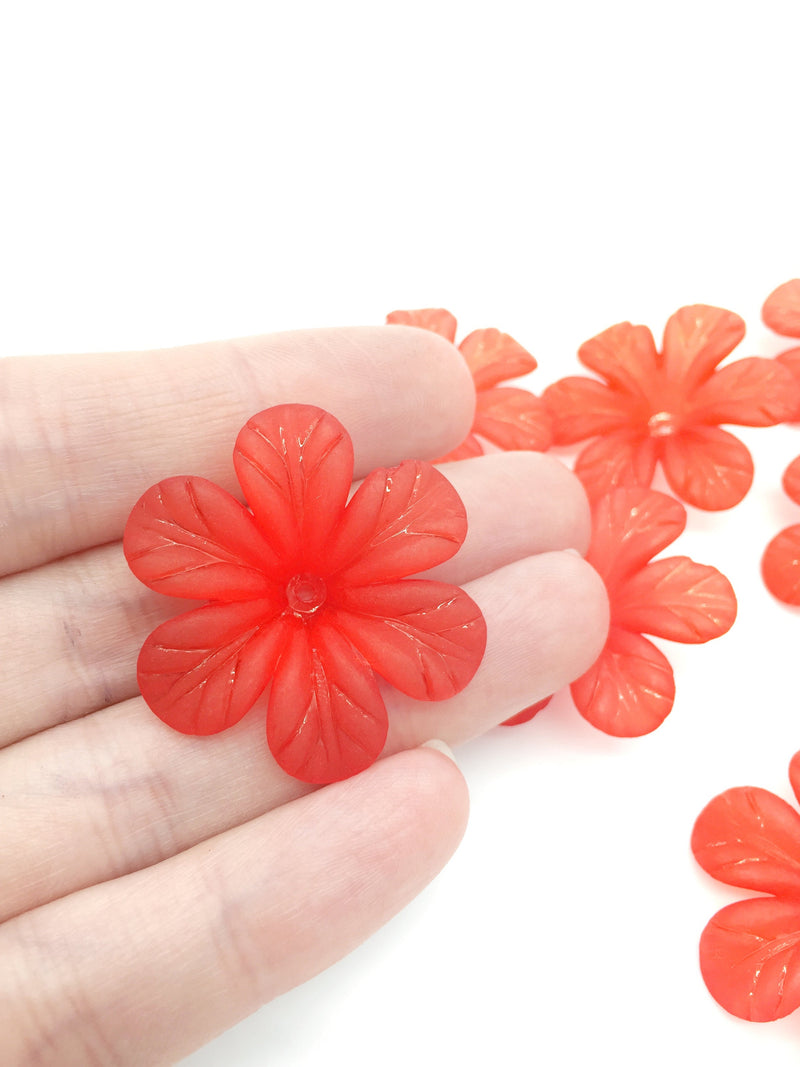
(630, 689)
(668, 406)
(508, 417)
(750, 950)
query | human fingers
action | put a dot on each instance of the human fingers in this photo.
(74, 627)
(83, 436)
(131, 792)
(194, 944)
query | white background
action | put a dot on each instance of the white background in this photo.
(175, 172)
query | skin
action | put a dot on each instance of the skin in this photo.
(186, 881)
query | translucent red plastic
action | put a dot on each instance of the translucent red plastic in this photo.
(630, 688)
(780, 564)
(306, 591)
(667, 407)
(508, 417)
(781, 312)
(750, 950)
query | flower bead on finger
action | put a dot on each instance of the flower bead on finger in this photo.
(508, 417)
(306, 590)
(668, 407)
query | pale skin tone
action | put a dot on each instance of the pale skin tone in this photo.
(158, 888)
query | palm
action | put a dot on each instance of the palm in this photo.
(148, 875)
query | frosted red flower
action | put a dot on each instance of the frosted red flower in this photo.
(668, 406)
(780, 564)
(781, 312)
(306, 590)
(510, 418)
(750, 950)
(630, 689)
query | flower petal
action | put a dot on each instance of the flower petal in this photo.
(425, 638)
(629, 527)
(707, 467)
(678, 599)
(200, 672)
(186, 537)
(791, 480)
(791, 359)
(326, 719)
(626, 357)
(630, 689)
(583, 407)
(781, 310)
(527, 714)
(494, 357)
(400, 521)
(750, 958)
(437, 320)
(295, 465)
(794, 775)
(621, 459)
(748, 392)
(513, 419)
(750, 838)
(780, 565)
(696, 339)
(468, 448)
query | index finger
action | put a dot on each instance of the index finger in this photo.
(83, 436)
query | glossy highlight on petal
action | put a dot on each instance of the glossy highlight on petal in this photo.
(750, 958)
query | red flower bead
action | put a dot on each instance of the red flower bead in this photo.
(527, 713)
(667, 407)
(510, 418)
(750, 950)
(781, 312)
(780, 564)
(630, 689)
(306, 590)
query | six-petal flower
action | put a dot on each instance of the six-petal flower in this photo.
(306, 590)
(750, 950)
(510, 418)
(630, 688)
(668, 406)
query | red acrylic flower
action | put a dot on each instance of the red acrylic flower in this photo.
(510, 418)
(781, 312)
(780, 564)
(667, 406)
(306, 590)
(750, 950)
(630, 688)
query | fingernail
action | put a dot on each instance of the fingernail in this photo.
(573, 551)
(440, 746)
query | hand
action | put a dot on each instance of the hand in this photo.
(157, 888)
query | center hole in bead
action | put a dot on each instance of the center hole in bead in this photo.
(306, 593)
(663, 424)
